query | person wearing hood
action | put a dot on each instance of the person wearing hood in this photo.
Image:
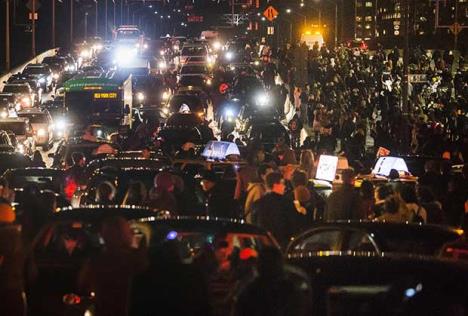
(12, 297)
(256, 190)
(219, 197)
(161, 196)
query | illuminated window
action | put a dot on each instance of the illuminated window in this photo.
(358, 18)
(396, 33)
(384, 32)
(369, 4)
(368, 26)
(368, 18)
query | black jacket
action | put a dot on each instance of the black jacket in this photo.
(276, 214)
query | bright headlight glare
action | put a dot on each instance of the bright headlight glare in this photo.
(208, 82)
(4, 114)
(41, 132)
(61, 124)
(176, 47)
(165, 111)
(85, 53)
(229, 55)
(165, 95)
(125, 55)
(262, 99)
(42, 80)
(229, 112)
(140, 96)
(216, 45)
(256, 63)
(162, 65)
(20, 148)
(161, 52)
(26, 100)
(55, 76)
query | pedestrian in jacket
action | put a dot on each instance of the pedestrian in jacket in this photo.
(274, 212)
(344, 203)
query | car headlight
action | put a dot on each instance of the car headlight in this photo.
(140, 96)
(216, 45)
(162, 65)
(161, 52)
(41, 132)
(42, 80)
(208, 82)
(262, 99)
(256, 63)
(125, 55)
(55, 76)
(20, 148)
(165, 111)
(85, 53)
(229, 55)
(26, 100)
(4, 114)
(61, 124)
(165, 95)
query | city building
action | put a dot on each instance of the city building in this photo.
(365, 13)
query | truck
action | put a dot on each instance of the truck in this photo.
(105, 99)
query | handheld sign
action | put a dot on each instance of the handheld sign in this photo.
(219, 150)
(326, 169)
(385, 164)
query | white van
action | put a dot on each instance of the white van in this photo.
(310, 38)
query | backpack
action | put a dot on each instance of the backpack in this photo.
(417, 218)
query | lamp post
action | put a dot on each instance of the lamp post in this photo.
(33, 34)
(96, 18)
(71, 23)
(105, 20)
(53, 23)
(7, 35)
(86, 25)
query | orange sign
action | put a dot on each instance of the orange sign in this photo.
(270, 13)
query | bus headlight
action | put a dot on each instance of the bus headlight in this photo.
(140, 96)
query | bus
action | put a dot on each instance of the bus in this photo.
(103, 99)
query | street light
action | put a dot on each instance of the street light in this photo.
(96, 17)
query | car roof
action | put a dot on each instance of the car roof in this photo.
(35, 170)
(92, 213)
(14, 119)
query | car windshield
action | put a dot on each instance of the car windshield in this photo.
(46, 181)
(18, 128)
(16, 88)
(128, 34)
(196, 81)
(35, 71)
(39, 118)
(193, 51)
(193, 70)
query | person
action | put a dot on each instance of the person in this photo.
(432, 207)
(344, 203)
(37, 160)
(76, 173)
(161, 195)
(367, 198)
(273, 211)
(136, 194)
(109, 273)
(146, 153)
(272, 292)
(303, 200)
(392, 212)
(219, 198)
(295, 128)
(245, 175)
(416, 212)
(256, 190)
(380, 194)
(307, 163)
(105, 193)
(6, 194)
(12, 297)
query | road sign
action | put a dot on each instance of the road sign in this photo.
(30, 16)
(270, 13)
(29, 5)
(270, 30)
(455, 28)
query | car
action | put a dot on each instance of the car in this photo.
(376, 237)
(59, 263)
(62, 158)
(7, 103)
(32, 82)
(184, 102)
(192, 50)
(22, 129)
(42, 125)
(193, 70)
(25, 96)
(57, 64)
(42, 73)
(200, 81)
(12, 160)
(184, 127)
(267, 132)
(6, 142)
(43, 178)
(65, 76)
(367, 283)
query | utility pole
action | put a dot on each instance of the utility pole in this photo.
(105, 20)
(33, 34)
(7, 36)
(96, 16)
(86, 25)
(71, 23)
(121, 12)
(113, 23)
(405, 88)
(53, 23)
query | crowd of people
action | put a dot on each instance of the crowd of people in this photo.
(341, 97)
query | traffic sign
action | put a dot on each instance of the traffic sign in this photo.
(270, 13)
(455, 28)
(271, 30)
(30, 16)
(29, 5)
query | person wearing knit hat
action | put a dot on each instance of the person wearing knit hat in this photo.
(12, 298)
